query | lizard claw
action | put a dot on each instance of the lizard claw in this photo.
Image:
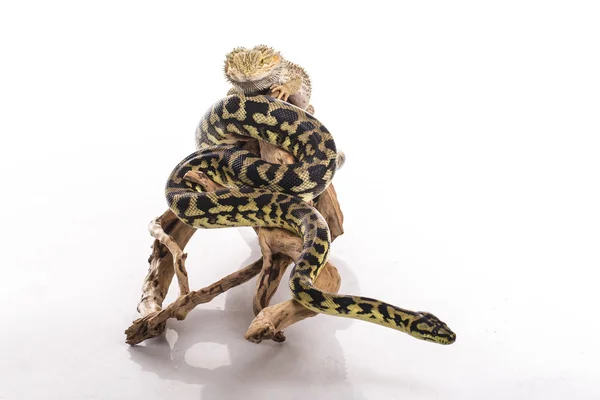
(280, 92)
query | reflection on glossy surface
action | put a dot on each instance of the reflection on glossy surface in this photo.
(310, 362)
(484, 151)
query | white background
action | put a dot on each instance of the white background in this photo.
(471, 190)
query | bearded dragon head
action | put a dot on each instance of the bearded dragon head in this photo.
(253, 69)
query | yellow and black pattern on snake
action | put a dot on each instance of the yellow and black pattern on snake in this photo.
(261, 194)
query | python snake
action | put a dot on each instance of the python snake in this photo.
(257, 193)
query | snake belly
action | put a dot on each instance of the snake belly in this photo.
(257, 193)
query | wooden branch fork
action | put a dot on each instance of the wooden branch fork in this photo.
(279, 249)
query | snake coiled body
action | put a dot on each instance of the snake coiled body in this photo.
(262, 194)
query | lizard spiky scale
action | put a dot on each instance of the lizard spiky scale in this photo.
(257, 70)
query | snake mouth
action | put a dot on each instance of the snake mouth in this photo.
(430, 328)
(445, 341)
(444, 338)
(450, 338)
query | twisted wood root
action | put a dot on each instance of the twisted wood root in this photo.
(279, 249)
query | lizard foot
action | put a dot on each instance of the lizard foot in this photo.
(281, 92)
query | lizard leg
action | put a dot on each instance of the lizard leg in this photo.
(284, 91)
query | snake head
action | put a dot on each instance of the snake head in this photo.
(427, 326)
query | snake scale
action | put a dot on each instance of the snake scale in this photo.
(257, 193)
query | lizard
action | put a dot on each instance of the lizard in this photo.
(262, 69)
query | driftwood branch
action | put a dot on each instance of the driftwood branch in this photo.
(271, 320)
(153, 324)
(279, 249)
(177, 253)
(161, 271)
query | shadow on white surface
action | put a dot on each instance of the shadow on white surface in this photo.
(490, 137)
(208, 349)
